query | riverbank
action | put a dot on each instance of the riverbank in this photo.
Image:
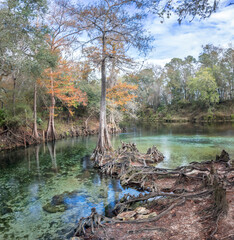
(189, 202)
(22, 136)
(222, 112)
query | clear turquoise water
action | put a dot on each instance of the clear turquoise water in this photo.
(29, 178)
(183, 143)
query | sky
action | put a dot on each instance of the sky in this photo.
(178, 41)
(174, 40)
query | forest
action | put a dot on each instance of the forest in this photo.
(52, 68)
(97, 141)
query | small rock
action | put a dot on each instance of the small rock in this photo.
(152, 215)
(126, 215)
(142, 217)
(142, 210)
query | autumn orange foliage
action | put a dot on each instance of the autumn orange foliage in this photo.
(121, 94)
(65, 85)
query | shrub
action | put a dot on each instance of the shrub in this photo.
(13, 122)
(2, 117)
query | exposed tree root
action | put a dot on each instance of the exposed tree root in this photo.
(94, 220)
(125, 202)
(119, 162)
(204, 184)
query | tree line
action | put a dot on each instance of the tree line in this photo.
(202, 83)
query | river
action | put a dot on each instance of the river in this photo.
(31, 177)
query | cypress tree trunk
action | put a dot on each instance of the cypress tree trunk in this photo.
(103, 142)
(13, 95)
(112, 82)
(35, 132)
(114, 127)
(103, 137)
(50, 132)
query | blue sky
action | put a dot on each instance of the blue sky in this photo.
(174, 40)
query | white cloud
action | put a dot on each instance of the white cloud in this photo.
(173, 40)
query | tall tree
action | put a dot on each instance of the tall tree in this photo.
(107, 22)
(24, 54)
(60, 38)
(174, 79)
(65, 87)
(118, 97)
(220, 61)
(227, 66)
(176, 74)
(40, 59)
(17, 32)
(204, 88)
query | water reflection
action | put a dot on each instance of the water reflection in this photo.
(37, 148)
(29, 184)
(52, 150)
(27, 153)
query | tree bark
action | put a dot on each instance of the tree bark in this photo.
(13, 95)
(35, 132)
(114, 127)
(103, 137)
(50, 132)
(112, 82)
(113, 76)
(103, 142)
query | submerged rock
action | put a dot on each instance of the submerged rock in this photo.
(58, 199)
(50, 208)
(5, 210)
(58, 202)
